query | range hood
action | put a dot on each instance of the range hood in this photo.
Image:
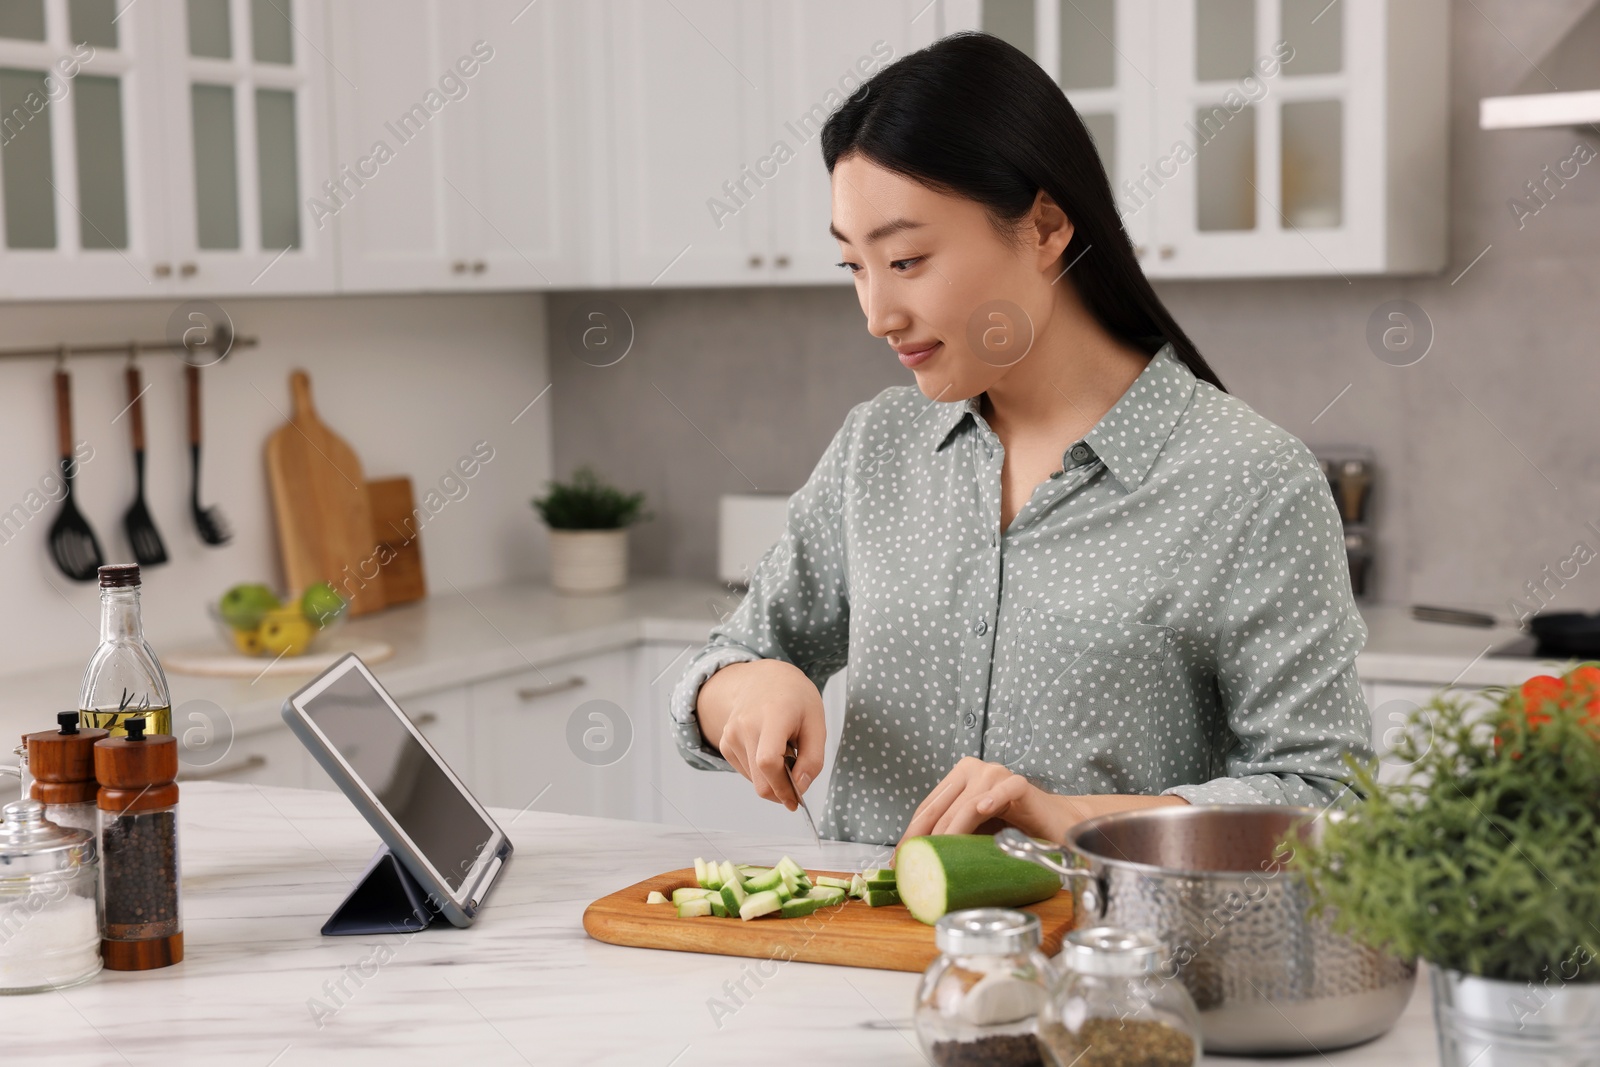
(1573, 99)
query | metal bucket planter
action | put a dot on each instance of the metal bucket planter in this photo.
(1488, 1023)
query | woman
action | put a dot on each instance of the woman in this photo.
(1070, 574)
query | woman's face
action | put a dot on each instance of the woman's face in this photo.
(958, 302)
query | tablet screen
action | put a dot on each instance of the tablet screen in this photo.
(408, 782)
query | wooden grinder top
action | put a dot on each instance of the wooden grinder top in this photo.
(136, 772)
(62, 762)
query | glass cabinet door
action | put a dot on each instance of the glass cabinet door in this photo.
(77, 129)
(1101, 54)
(1254, 112)
(246, 97)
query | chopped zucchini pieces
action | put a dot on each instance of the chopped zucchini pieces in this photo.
(656, 897)
(877, 898)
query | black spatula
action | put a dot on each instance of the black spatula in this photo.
(140, 527)
(208, 522)
(72, 541)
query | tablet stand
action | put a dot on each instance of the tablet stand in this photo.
(387, 900)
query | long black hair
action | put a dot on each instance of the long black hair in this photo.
(974, 116)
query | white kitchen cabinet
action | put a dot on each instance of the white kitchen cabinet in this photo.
(273, 756)
(529, 727)
(178, 165)
(466, 145)
(1256, 137)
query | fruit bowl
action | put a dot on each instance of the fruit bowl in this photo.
(252, 620)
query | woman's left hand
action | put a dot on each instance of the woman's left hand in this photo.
(978, 797)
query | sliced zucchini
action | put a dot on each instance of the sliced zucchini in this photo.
(783, 891)
(700, 871)
(858, 885)
(787, 864)
(733, 895)
(656, 897)
(726, 874)
(832, 882)
(825, 895)
(798, 907)
(694, 909)
(688, 893)
(718, 908)
(877, 898)
(757, 904)
(761, 882)
(878, 874)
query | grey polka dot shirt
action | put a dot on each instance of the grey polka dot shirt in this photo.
(1169, 613)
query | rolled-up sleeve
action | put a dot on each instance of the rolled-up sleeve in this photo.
(797, 608)
(1288, 633)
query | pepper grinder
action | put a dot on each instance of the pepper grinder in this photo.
(61, 762)
(138, 804)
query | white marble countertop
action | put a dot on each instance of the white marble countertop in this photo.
(263, 867)
(456, 637)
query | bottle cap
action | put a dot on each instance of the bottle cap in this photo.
(119, 575)
(1110, 950)
(987, 931)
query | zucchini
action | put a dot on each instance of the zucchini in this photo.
(758, 904)
(789, 865)
(831, 882)
(951, 872)
(733, 895)
(656, 897)
(688, 893)
(783, 891)
(878, 874)
(825, 895)
(700, 871)
(725, 874)
(694, 909)
(718, 908)
(760, 882)
(799, 907)
(877, 898)
(858, 885)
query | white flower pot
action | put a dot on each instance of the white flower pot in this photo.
(1488, 1023)
(589, 561)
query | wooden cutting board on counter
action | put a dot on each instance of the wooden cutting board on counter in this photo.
(399, 542)
(319, 500)
(850, 935)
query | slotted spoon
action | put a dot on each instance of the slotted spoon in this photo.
(140, 527)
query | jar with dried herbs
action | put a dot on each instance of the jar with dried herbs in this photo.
(1111, 1007)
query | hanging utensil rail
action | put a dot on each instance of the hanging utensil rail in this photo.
(114, 348)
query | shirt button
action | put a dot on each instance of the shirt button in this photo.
(1079, 453)
(1057, 474)
(970, 720)
(980, 627)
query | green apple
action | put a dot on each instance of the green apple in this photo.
(244, 606)
(321, 604)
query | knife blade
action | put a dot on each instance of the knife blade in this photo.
(788, 769)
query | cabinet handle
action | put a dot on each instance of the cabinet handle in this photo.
(249, 763)
(1167, 251)
(163, 270)
(780, 261)
(537, 691)
(755, 261)
(459, 266)
(479, 266)
(427, 718)
(188, 270)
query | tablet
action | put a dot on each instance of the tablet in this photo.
(421, 810)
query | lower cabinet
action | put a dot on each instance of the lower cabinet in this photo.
(271, 757)
(565, 736)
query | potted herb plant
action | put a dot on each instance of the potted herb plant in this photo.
(588, 522)
(1483, 858)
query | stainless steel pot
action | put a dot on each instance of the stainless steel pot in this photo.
(1209, 881)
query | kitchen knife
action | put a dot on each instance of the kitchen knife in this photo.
(788, 769)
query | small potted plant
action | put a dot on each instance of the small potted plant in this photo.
(588, 522)
(1483, 858)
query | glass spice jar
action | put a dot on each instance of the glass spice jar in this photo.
(1110, 1007)
(49, 903)
(61, 763)
(978, 1001)
(139, 845)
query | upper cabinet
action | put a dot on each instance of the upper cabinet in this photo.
(1256, 137)
(467, 144)
(161, 149)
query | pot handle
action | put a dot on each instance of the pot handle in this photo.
(1014, 842)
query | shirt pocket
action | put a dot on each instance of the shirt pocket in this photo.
(1086, 701)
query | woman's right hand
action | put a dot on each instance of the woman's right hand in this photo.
(750, 711)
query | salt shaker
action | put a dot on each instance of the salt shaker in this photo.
(49, 911)
(61, 762)
(139, 840)
(1111, 999)
(978, 1001)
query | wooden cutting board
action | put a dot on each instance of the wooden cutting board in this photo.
(399, 540)
(319, 498)
(851, 934)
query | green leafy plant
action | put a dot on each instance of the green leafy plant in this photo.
(1484, 857)
(587, 503)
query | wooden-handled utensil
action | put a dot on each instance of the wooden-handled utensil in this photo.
(209, 523)
(72, 541)
(137, 522)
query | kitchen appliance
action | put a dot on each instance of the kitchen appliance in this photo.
(137, 523)
(851, 935)
(444, 850)
(1209, 882)
(747, 525)
(208, 522)
(72, 541)
(323, 513)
